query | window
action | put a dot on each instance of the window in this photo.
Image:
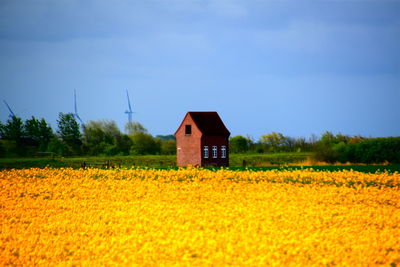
(223, 152)
(188, 129)
(205, 152)
(214, 152)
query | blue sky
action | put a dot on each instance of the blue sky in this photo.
(293, 66)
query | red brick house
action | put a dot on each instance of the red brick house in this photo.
(202, 140)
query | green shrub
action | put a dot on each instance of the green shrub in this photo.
(376, 150)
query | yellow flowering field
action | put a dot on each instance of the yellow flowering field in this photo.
(192, 217)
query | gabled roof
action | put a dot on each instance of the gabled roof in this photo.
(209, 123)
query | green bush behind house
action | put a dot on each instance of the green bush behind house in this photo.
(368, 151)
(375, 150)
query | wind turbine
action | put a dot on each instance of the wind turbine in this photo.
(76, 109)
(12, 115)
(129, 111)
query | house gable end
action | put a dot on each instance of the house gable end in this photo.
(187, 120)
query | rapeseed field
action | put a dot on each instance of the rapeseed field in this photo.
(198, 217)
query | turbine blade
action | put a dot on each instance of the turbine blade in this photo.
(79, 118)
(9, 109)
(129, 102)
(75, 107)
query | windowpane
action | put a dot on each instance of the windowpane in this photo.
(215, 152)
(205, 152)
(223, 152)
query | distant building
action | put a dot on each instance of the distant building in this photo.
(202, 140)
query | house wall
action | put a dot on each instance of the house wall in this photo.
(218, 141)
(188, 146)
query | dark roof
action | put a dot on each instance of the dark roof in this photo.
(209, 123)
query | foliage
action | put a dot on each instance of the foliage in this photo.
(277, 142)
(8, 149)
(68, 131)
(99, 138)
(135, 127)
(340, 148)
(330, 147)
(58, 147)
(239, 144)
(375, 150)
(39, 132)
(68, 127)
(24, 139)
(167, 144)
(13, 130)
(166, 137)
(168, 147)
(104, 138)
(144, 144)
(273, 141)
(123, 143)
(197, 217)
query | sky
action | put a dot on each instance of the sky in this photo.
(299, 67)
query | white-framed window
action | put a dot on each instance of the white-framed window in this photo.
(223, 152)
(215, 152)
(205, 152)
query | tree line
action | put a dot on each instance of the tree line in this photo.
(34, 136)
(329, 147)
(273, 142)
(103, 138)
(343, 148)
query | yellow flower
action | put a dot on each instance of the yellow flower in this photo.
(198, 217)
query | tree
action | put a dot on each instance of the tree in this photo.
(166, 137)
(124, 144)
(167, 144)
(58, 147)
(104, 137)
(302, 145)
(273, 141)
(38, 132)
(330, 148)
(13, 132)
(239, 144)
(288, 144)
(168, 147)
(68, 131)
(144, 144)
(135, 127)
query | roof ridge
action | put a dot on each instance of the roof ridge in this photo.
(209, 122)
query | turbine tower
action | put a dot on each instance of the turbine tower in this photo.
(76, 109)
(12, 115)
(129, 111)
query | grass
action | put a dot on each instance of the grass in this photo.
(96, 162)
(360, 168)
(268, 159)
(254, 162)
(156, 161)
